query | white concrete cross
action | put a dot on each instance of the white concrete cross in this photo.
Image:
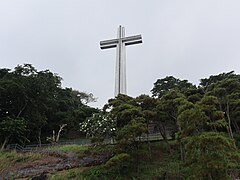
(120, 43)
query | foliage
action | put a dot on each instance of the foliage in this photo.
(99, 126)
(169, 83)
(37, 100)
(12, 127)
(192, 121)
(167, 110)
(226, 88)
(206, 82)
(129, 114)
(130, 132)
(209, 154)
(205, 120)
(114, 168)
(97, 172)
(71, 148)
(123, 166)
(10, 159)
(118, 162)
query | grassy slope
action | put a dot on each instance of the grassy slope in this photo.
(11, 159)
(70, 148)
(160, 163)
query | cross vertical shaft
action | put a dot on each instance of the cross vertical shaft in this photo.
(120, 76)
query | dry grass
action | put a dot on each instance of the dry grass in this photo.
(10, 159)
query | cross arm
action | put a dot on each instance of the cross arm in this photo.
(126, 40)
(108, 44)
(132, 40)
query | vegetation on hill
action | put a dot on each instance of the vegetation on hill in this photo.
(203, 120)
(33, 105)
(199, 125)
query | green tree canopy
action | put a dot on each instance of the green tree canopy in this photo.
(162, 86)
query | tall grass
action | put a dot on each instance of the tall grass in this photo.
(71, 148)
(68, 174)
(9, 158)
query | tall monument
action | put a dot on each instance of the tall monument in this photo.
(120, 43)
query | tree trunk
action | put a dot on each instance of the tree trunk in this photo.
(236, 126)
(21, 110)
(39, 137)
(210, 176)
(229, 122)
(182, 152)
(162, 130)
(148, 142)
(59, 132)
(5, 142)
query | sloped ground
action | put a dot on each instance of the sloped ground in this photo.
(57, 160)
(72, 162)
(47, 164)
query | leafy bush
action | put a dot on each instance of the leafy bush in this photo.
(71, 174)
(211, 154)
(97, 172)
(114, 167)
(118, 161)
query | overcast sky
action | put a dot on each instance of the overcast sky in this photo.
(189, 39)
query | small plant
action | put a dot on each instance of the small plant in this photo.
(96, 172)
(118, 161)
(71, 174)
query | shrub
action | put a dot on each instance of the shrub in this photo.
(118, 161)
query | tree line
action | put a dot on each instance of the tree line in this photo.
(203, 120)
(34, 106)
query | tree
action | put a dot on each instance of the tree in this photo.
(211, 155)
(169, 83)
(37, 97)
(129, 117)
(69, 108)
(130, 133)
(55, 138)
(99, 126)
(192, 120)
(206, 82)
(227, 89)
(208, 152)
(167, 109)
(194, 94)
(11, 128)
